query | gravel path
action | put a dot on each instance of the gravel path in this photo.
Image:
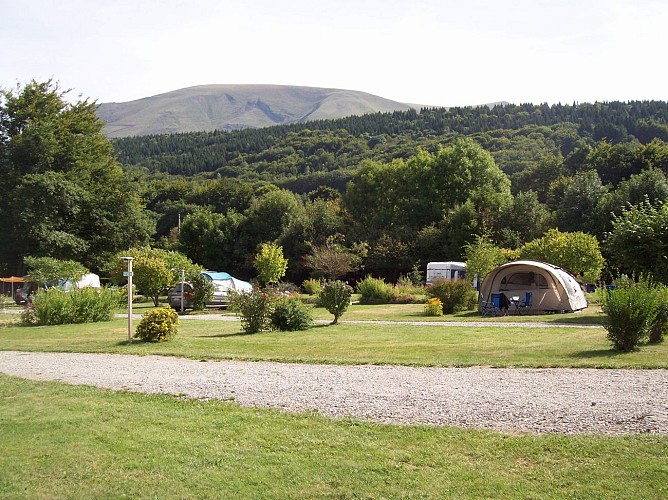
(571, 401)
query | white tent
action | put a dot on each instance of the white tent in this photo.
(89, 280)
(552, 288)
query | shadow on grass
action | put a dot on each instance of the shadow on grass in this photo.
(598, 353)
(244, 334)
(580, 320)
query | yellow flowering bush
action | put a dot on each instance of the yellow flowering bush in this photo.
(433, 307)
(158, 325)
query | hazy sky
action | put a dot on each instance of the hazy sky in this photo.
(436, 52)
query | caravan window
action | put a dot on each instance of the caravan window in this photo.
(523, 280)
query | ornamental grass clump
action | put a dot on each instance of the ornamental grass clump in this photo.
(158, 325)
(374, 291)
(433, 307)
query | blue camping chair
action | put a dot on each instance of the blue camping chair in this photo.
(526, 305)
(492, 307)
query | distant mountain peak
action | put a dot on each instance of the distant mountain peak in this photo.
(231, 107)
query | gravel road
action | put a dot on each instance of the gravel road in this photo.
(570, 401)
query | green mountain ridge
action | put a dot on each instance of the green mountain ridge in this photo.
(233, 107)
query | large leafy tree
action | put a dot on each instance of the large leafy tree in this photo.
(63, 193)
(417, 192)
(638, 242)
(577, 252)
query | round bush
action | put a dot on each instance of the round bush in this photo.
(158, 325)
(455, 295)
(291, 314)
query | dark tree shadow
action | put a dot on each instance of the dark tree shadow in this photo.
(598, 353)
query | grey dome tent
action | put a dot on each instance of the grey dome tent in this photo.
(552, 289)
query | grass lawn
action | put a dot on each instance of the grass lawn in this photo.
(63, 441)
(415, 312)
(436, 345)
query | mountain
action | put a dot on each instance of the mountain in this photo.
(233, 107)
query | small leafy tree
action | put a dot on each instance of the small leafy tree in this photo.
(335, 297)
(270, 263)
(482, 256)
(48, 271)
(333, 260)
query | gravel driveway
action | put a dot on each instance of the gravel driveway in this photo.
(571, 401)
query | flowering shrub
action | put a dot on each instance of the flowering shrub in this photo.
(433, 307)
(158, 325)
(255, 308)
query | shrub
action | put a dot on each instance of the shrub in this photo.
(631, 309)
(202, 291)
(659, 326)
(455, 295)
(79, 305)
(255, 308)
(158, 325)
(312, 286)
(433, 307)
(374, 291)
(335, 297)
(291, 314)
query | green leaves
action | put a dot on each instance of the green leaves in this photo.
(578, 253)
(270, 263)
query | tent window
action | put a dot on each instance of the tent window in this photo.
(524, 280)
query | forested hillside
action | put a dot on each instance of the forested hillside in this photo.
(401, 188)
(193, 153)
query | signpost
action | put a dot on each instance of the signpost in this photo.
(183, 280)
(128, 275)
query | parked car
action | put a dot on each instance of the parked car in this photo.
(222, 284)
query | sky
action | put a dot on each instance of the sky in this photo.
(430, 52)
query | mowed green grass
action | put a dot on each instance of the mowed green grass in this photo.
(402, 344)
(61, 441)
